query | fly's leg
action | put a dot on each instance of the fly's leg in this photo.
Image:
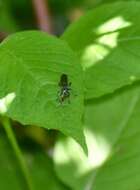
(69, 100)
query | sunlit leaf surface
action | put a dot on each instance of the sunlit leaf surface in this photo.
(107, 40)
(112, 133)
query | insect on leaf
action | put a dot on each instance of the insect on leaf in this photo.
(30, 68)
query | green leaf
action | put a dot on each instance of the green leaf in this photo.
(40, 166)
(113, 139)
(107, 40)
(31, 66)
(90, 4)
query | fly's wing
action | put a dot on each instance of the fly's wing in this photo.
(63, 80)
(69, 84)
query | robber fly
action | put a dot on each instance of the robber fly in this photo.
(65, 88)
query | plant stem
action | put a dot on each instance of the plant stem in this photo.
(43, 15)
(10, 134)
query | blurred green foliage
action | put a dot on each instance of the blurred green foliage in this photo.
(22, 12)
(20, 15)
(41, 167)
(111, 117)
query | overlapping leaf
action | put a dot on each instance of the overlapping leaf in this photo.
(107, 40)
